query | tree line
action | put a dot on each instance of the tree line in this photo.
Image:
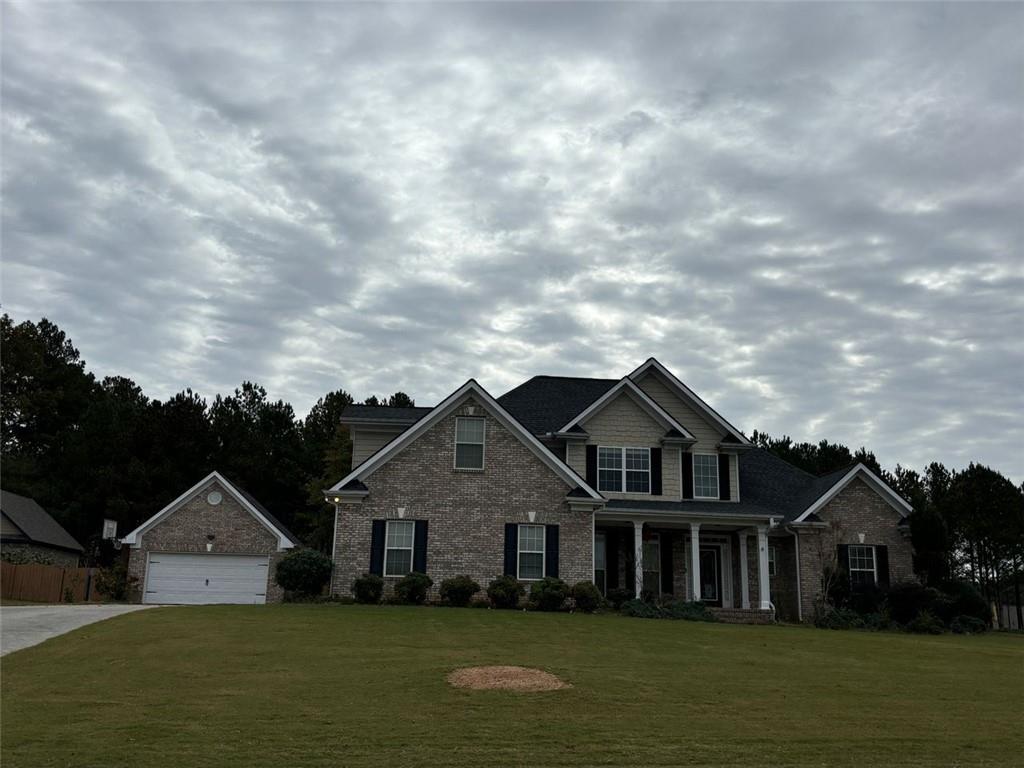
(89, 449)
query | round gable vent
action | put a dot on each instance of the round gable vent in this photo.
(214, 498)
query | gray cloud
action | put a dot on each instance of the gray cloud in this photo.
(811, 212)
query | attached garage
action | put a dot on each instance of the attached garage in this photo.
(206, 579)
(213, 544)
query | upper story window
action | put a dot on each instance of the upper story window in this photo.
(469, 443)
(398, 543)
(863, 571)
(705, 476)
(624, 469)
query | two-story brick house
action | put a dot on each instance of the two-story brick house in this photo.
(633, 483)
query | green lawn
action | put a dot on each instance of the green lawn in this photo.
(353, 686)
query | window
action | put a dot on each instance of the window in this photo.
(862, 566)
(705, 476)
(626, 469)
(469, 443)
(601, 562)
(398, 547)
(771, 561)
(652, 565)
(531, 552)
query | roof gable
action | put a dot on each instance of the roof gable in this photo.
(835, 482)
(285, 539)
(35, 522)
(690, 397)
(626, 388)
(446, 407)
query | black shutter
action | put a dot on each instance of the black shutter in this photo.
(592, 466)
(665, 545)
(656, 471)
(723, 476)
(611, 559)
(687, 475)
(377, 547)
(551, 551)
(419, 551)
(843, 553)
(882, 566)
(511, 548)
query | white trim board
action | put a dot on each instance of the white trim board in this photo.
(445, 408)
(641, 398)
(874, 482)
(690, 395)
(283, 542)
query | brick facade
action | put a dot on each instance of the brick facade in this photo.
(466, 510)
(186, 530)
(856, 510)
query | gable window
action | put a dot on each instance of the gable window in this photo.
(863, 572)
(771, 561)
(531, 552)
(705, 476)
(398, 544)
(627, 469)
(469, 443)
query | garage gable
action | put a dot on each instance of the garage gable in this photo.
(217, 485)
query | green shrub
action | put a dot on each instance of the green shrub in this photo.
(586, 596)
(368, 589)
(878, 621)
(459, 590)
(838, 618)
(304, 572)
(968, 625)
(907, 599)
(114, 582)
(638, 609)
(505, 592)
(926, 623)
(688, 611)
(618, 596)
(966, 600)
(412, 588)
(548, 594)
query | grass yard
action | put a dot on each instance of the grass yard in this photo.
(365, 686)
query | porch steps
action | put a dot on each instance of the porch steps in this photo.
(743, 615)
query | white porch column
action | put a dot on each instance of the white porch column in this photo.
(744, 579)
(638, 576)
(762, 567)
(695, 561)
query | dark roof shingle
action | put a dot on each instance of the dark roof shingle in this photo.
(547, 403)
(35, 522)
(384, 413)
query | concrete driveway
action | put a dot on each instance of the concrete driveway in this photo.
(22, 626)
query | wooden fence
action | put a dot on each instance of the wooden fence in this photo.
(37, 583)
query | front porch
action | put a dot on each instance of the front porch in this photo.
(720, 561)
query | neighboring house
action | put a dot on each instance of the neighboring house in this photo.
(213, 544)
(633, 483)
(29, 535)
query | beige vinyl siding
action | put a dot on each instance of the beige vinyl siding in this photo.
(708, 433)
(366, 441)
(8, 528)
(623, 423)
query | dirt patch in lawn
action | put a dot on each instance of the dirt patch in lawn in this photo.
(506, 678)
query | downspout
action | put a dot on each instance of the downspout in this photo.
(799, 591)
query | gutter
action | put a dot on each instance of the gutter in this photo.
(799, 590)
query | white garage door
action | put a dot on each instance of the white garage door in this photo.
(201, 579)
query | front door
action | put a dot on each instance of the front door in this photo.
(711, 575)
(601, 562)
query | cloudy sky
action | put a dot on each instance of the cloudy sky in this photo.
(812, 213)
